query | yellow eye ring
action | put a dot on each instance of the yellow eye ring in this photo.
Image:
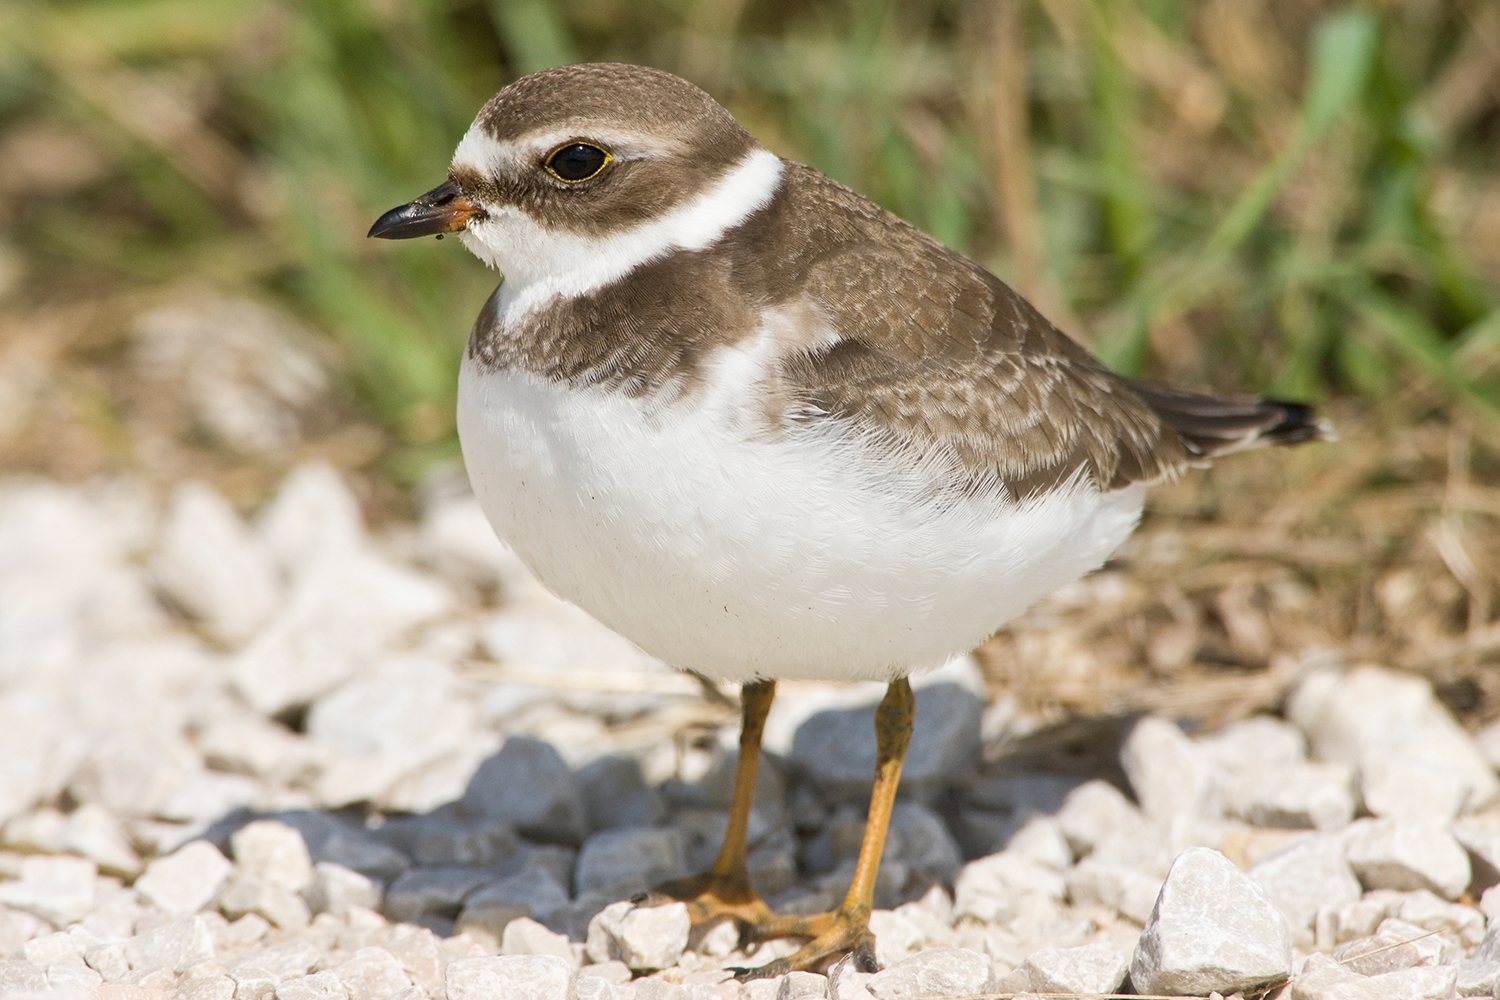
(576, 162)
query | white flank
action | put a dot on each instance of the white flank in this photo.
(541, 264)
(718, 547)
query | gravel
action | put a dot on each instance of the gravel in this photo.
(288, 758)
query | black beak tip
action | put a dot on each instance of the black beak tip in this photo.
(444, 209)
(389, 225)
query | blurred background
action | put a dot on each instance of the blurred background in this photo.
(1299, 197)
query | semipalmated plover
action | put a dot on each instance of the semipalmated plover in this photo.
(766, 429)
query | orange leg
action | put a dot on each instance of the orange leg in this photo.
(847, 929)
(724, 890)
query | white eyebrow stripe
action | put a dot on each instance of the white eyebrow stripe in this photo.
(541, 264)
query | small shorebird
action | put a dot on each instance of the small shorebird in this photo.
(766, 429)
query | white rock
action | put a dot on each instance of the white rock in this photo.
(1090, 968)
(1094, 811)
(372, 974)
(282, 961)
(1430, 983)
(421, 955)
(1310, 875)
(273, 852)
(643, 937)
(1483, 845)
(457, 539)
(244, 742)
(131, 773)
(205, 987)
(1322, 978)
(987, 889)
(1258, 743)
(1041, 839)
(1463, 925)
(251, 983)
(19, 977)
(211, 565)
(1404, 855)
(528, 785)
(185, 880)
(509, 977)
(312, 517)
(111, 962)
(96, 833)
(395, 719)
(525, 936)
(845, 982)
(897, 937)
(319, 986)
(1124, 888)
(618, 863)
(797, 985)
(611, 972)
(1489, 903)
(1396, 945)
(1409, 751)
(60, 890)
(176, 946)
(203, 796)
(1213, 928)
(17, 927)
(278, 904)
(335, 888)
(342, 612)
(1488, 740)
(934, 972)
(1300, 796)
(593, 988)
(1170, 776)
(1476, 977)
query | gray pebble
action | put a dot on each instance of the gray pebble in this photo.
(615, 794)
(619, 863)
(836, 747)
(424, 892)
(527, 785)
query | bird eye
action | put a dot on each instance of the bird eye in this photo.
(577, 161)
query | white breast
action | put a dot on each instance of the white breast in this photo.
(718, 547)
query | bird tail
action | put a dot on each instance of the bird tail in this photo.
(1209, 425)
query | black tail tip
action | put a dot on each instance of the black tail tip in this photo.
(1297, 423)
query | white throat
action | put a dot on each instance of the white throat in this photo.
(541, 264)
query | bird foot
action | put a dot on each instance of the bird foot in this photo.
(711, 897)
(833, 934)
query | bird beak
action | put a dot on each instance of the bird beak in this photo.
(444, 209)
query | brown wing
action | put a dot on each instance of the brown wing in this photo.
(938, 353)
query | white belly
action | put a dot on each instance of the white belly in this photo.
(743, 555)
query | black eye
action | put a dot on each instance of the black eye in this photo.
(577, 161)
